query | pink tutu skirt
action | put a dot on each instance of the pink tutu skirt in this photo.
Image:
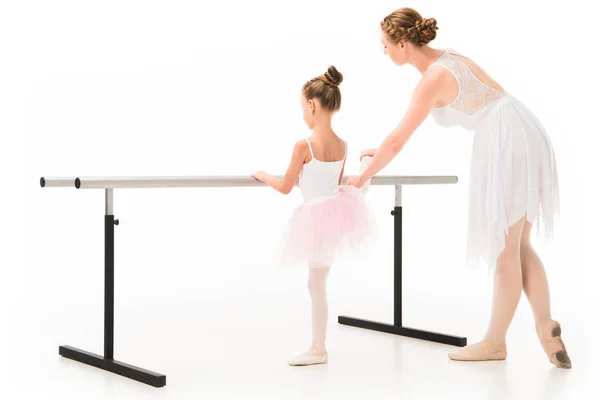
(320, 229)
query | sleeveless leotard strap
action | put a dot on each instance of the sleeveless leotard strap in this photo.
(310, 148)
(313, 156)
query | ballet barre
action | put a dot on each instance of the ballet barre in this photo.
(109, 184)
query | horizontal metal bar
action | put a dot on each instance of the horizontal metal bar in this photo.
(217, 181)
(404, 331)
(129, 371)
(214, 181)
(57, 182)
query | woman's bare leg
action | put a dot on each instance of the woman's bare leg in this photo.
(535, 285)
(508, 285)
(535, 282)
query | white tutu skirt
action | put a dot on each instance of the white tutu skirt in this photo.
(513, 174)
(321, 229)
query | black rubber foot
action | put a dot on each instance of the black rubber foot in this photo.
(403, 331)
(116, 367)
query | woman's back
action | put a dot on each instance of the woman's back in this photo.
(470, 89)
(474, 87)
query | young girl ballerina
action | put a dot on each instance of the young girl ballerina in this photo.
(331, 216)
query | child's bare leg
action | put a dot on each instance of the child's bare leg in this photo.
(317, 287)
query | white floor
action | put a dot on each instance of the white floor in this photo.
(236, 348)
(220, 321)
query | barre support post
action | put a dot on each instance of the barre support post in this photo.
(108, 362)
(397, 213)
(397, 328)
(109, 276)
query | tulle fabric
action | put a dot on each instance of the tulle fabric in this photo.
(322, 229)
(513, 174)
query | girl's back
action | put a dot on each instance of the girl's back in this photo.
(322, 173)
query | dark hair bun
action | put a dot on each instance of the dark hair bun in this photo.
(333, 77)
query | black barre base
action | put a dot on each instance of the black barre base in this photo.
(116, 367)
(403, 331)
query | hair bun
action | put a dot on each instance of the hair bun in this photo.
(407, 24)
(426, 29)
(332, 77)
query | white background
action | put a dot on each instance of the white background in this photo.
(137, 88)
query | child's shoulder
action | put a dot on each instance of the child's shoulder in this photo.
(302, 148)
(302, 144)
(335, 136)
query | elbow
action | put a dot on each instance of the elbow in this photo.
(286, 185)
(396, 147)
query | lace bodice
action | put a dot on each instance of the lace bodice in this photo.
(473, 95)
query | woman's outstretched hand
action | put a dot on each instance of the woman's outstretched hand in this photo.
(359, 181)
(368, 152)
(355, 181)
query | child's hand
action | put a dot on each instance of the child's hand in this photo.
(260, 176)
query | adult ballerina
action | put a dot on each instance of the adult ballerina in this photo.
(513, 180)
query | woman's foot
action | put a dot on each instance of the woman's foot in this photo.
(549, 334)
(482, 351)
(314, 355)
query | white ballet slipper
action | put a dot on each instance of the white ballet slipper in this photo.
(311, 357)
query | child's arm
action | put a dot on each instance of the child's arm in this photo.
(285, 185)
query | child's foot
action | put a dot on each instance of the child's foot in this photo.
(482, 351)
(549, 334)
(313, 356)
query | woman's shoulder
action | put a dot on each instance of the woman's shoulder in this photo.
(435, 77)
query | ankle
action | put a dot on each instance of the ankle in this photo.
(498, 343)
(318, 348)
(542, 321)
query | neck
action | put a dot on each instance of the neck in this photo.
(322, 126)
(423, 57)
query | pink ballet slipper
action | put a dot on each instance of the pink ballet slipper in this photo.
(549, 334)
(482, 351)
